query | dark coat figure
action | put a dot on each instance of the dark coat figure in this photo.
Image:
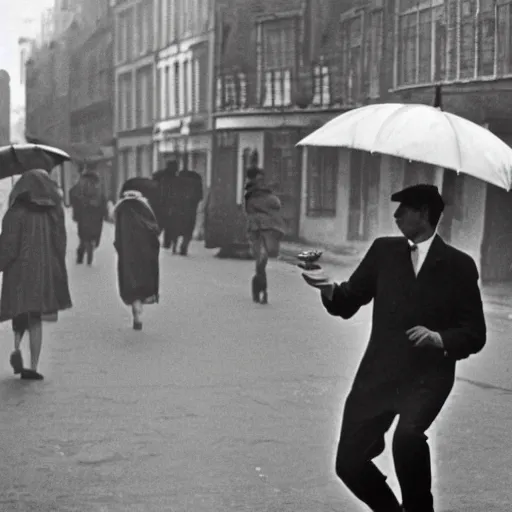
(422, 325)
(265, 228)
(89, 206)
(189, 193)
(166, 179)
(137, 244)
(33, 260)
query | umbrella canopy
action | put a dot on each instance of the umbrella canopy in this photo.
(422, 133)
(18, 158)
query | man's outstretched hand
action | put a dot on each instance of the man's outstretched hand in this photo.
(318, 279)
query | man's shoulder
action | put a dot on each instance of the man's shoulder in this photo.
(459, 256)
(388, 241)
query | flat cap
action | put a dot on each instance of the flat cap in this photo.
(419, 195)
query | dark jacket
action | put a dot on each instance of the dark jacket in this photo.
(263, 209)
(137, 246)
(89, 206)
(166, 180)
(444, 297)
(188, 194)
(33, 249)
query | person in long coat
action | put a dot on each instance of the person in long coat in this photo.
(137, 232)
(427, 315)
(89, 206)
(265, 228)
(32, 259)
(189, 193)
(166, 178)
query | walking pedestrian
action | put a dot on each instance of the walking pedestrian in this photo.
(427, 315)
(32, 259)
(166, 179)
(265, 228)
(89, 206)
(189, 193)
(137, 232)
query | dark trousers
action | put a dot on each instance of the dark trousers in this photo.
(85, 247)
(362, 439)
(172, 241)
(168, 237)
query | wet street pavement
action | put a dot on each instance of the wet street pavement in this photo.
(220, 405)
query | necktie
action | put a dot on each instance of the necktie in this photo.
(414, 257)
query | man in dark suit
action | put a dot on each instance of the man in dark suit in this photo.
(427, 314)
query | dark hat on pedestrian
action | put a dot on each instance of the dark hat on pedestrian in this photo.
(419, 195)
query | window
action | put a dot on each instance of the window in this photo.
(373, 53)
(186, 87)
(172, 20)
(361, 55)
(231, 91)
(322, 182)
(164, 23)
(144, 87)
(125, 103)
(453, 40)
(321, 84)
(467, 14)
(177, 90)
(196, 86)
(129, 33)
(504, 53)
(140, 27)
(486, 38)
(277, 61)
(125, 35)
(351, 57)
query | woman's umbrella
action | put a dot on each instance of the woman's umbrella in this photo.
(422, 133)
(18, 158)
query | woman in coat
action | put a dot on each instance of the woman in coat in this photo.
(89, 210)
(265, 227)
(137, 216)
(32, 259)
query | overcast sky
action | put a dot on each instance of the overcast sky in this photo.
(14, 23)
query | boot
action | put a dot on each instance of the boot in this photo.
(255, 289)
(263, 289)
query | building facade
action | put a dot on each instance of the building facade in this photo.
(47, 82)
(134, 85)
(91, 90)
(282, 70)
(466, 46)
(184, 86)
(279, 75)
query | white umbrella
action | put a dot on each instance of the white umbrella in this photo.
(422, 133)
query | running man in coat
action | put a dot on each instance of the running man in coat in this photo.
(427, 315)
(33, 262)
(265, 228)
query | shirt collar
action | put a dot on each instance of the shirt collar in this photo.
(423, 246)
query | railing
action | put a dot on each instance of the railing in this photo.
(285, 88)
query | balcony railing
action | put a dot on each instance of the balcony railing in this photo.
(276, 89)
